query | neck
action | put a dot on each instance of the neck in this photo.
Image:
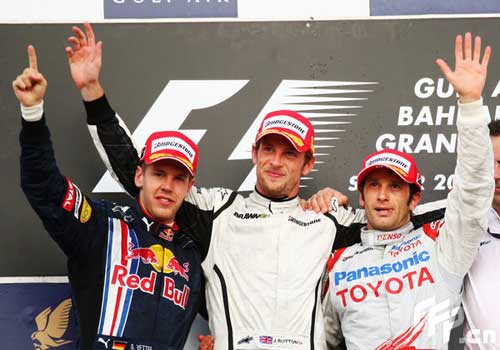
(275, 198)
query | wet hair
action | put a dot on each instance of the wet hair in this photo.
(494, 127)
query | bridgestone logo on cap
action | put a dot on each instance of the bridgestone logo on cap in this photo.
(173, 143)
(389, 159)
(286, 123)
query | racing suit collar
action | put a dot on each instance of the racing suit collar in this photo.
(383, 238)
(155, 228)
(282, 199)
(272, 204)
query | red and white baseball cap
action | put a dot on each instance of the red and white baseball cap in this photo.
(171, 145)
(290, 124)
(399, 162)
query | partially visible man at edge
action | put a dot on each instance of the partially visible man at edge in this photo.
(135, 274)
(254, 297)
(480, 300)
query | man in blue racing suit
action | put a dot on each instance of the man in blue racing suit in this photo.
(134, 271)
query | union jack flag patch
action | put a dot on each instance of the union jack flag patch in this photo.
(265, 339)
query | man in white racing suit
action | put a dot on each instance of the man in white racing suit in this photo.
(265, 256)
(400, 288)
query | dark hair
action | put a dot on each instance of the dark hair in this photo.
(494, 127)
(413, 190)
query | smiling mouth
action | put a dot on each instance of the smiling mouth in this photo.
(164, 201)
(274, 174)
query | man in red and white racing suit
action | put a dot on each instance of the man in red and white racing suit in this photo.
(400, 288)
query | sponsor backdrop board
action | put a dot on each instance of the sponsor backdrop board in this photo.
(96, 10)
(27, 11)
(364, 84)
(431, 7)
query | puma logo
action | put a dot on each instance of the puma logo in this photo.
(100, 340)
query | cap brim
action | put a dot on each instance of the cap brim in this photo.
(285, 135)
(181, 160)
(363, 173)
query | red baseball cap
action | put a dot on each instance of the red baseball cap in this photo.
(171, 145)
(290, 124)
(399, 162)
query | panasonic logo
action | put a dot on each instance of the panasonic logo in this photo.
(383, 269)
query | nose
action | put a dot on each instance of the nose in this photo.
(382, 193)
(168, 183)
(497, 170)
(276, 160)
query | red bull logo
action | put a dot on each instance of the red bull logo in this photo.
(166, 262)
(162, 259)
(177, 296)
(147, 255)
(174, 266)
(146, 284)
(167, 234)
(122, 278)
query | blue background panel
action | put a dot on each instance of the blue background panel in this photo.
(424, 7)
(170, 9)
(21, 303)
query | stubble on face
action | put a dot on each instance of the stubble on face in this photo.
(386, 200)
(279, 167)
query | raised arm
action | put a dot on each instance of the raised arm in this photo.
(470, 198)
(66, 213)
(30, 86)
(109, 133)
(85, 61)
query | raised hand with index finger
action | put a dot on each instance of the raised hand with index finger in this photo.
(85, 60)
(30, 86)
(470, 72)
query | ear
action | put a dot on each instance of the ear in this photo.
(191, 183)
(254, 153)
(306, 169)
(415, 200)
(139, 177)
(361, 201)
